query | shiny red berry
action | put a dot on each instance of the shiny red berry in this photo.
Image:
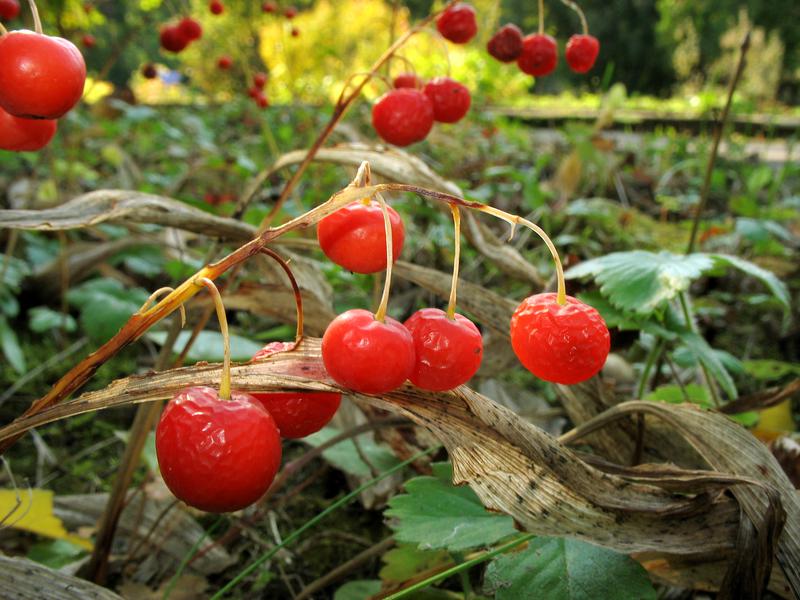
(224, 62)
(172, 39)
(269, 7)
(458, 23)
(559, 343)
(149, 71)
(298, 414)
(581, 52)
(9, 9)
(354, 237)
(539, 55)
(216, 7)
(25, 135)
(41, 77)
(190, 28)
(506, 44)
(217, 455)
(448, 351)
(260, 80)
(449, 98)
(365, 355)
(261, 100)
(407, 80)
(403, 116)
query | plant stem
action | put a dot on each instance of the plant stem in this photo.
(298, 299)
(225, 383)
(574, 6)
(3, 30)
(451, 305)
(541, 17)
(37, 21)
(380, 314)
(652, 357)
(687, 314)
(712, 158)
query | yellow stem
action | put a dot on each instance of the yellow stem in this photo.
(380, 314)
(225, 383)
(3, 30)
(451, 305)
(161, 292)
(37, 21)
(541, 17)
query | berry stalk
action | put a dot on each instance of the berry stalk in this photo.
(574, 6)
(3, 30)
(37, 21)
(225, 382)
(451, 304)
(541, 17)
(298, 299)
(380, 314)
(155, 295)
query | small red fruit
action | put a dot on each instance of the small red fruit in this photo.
(149, 71)
(407, 80)
(190, 28)
(295, 32)
(216, 7)
(403, 116)
(224, 62)
(458, 23)
(260, 80)
(449, 98)
(269, 7)
(290, 12)
(172, 39)
(582, 51)
(254, 92)
(217, 455)
(9, 9)
(506, 44)
(448, 351)
(365, 355)
(89, 41)
(354, 237)
(24, 135)
(41, 77)
(539, 55)
(262, 100)
(559, 343)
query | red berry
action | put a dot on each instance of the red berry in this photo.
(539, 55)
(224, 62)
(9, 9)
(149, 71)
(449, 98)
(190, 28)
(24, 135)
(458, 23)
(260, 80)
(269, 7)
(254, 92)
(506, 44)
(290, 12)
(563, 344)
(407, 80)
(89, 41)
(354, 237)
(172, 39)
(402, 117)
(298, 414)
(262, 100)
(216, 7)
(448, 351)
(582, 51)
(217, 455)
(41, 77)
(366, 355)
(295, 32)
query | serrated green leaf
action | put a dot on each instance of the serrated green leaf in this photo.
(565, 569)
(768, 278)
(346, 457)
(406, 561)
(435, 514)
(11, 348)
(209, 345)
(641, 281)
(42, 318)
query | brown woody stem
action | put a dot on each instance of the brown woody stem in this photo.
(298, 299)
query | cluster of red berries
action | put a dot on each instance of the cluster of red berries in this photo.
(537, 54)
(177, 36)
(41, 79)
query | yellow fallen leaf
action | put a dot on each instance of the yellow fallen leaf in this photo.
(33, 511)
(775, 421)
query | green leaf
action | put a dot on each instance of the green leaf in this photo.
(640, 281)
(55, 553)
(11, 348)
(14, 270)
(436, 514)
(406, 561)
(674, 394)
(42, 319)
(345, 457)
(209, 345)
(105, 306)
(770, 370)
(358, 589)
(699, 351)
(768, 278)
(565, 569)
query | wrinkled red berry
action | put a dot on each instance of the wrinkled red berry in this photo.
(559, 343)
(354, 237)
(41, 77)
(506, 44)
(217, 455)
(449, 98)
(224, 62)
(403, 116)
(458, 23)
(407, 80)
(581, 53)
(190, 29)
(448, 351)
(539, 55)
(25, 135)
(298, 414)
(172, 39)
(9, 9)
(365, 355)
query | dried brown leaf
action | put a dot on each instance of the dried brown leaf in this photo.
(23, 579)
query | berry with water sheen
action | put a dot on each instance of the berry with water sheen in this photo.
(581, 52)
(458, 23)
(25, 135)
(539, 55)
(506, 44)
(450, 99)
(172, 39)
(402, 116)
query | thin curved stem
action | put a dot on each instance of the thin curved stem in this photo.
(225, 383)
(298, 299)
(451, 304)
(380, 314)
(3, 30)
(541, 17)
(160, 292)
(574, 6)
(37, 21)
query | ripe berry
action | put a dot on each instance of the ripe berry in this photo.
(563, 344)
(403, 116)
(217, 455)
(407, 80)
(582, 51)
(224, 62)
(262, 100)
(149, 71)
(448, 351)
(190, 28)
(290, 12)
(9, 9)
(449, 98)
(216, 7)
(539, 55)
(172, 39)
(354, 237)
(506, 44)
(24, 135)
(260, 80)
(365, 355)
(41, 77)
(458, 23)
(269, 7)
(295, 32)
(89, 41)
